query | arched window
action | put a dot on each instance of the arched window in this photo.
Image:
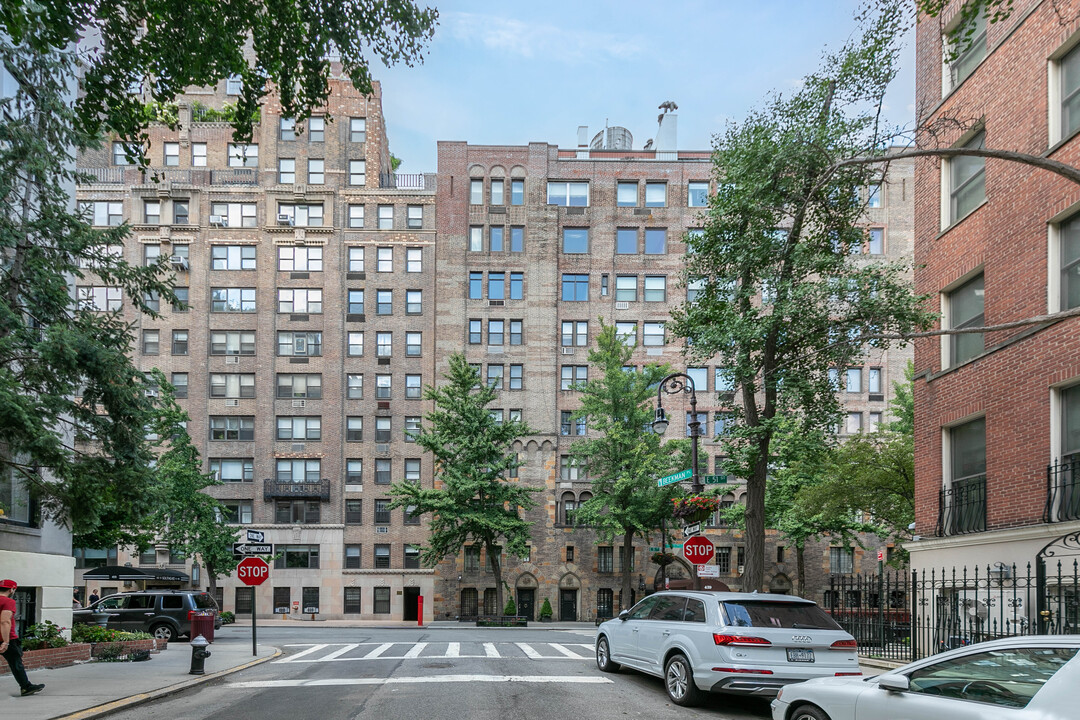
(569, 504)
(468, 602)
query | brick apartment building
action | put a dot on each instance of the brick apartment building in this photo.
(998, 414)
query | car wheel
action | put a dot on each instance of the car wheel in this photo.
(808, 712)
(603, 656)
(163, 631)
(679, 682)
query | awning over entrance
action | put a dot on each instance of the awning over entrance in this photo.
(117, 572)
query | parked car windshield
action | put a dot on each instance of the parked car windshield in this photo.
(204, 601)
(762, 613)
(1008, 677)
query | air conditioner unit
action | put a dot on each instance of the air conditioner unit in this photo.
(232, 402)
(232, 360)
(219, 221)
(740, 570)
(567, 350)
(151, 393)
(299, 403)
(381, 529)
(283, 219)
(622, 305)
(382, 447)
(179, 261)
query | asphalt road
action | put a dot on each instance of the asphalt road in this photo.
(440, 674)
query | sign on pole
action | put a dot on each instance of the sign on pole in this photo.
(714, 479)
(692, 530)
(253, 571)
(675, 477)
(256, 536)
(708, 571)
(699, 550)
(880, 555)
(252, 549)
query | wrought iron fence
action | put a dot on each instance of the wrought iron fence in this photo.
(962, 507)
(901, 616)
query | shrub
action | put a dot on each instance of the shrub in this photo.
(96, 634)
(545, 610)
(511, 608)
(43, 635)
(110, 652)
(227, 617)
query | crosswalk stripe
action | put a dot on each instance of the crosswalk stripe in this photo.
(310, 650)
(529, 651)
(567, 651)
(490, 651)
(378, 651)
(562, 679)
(339, 653)
(415, 650)
(453, 650)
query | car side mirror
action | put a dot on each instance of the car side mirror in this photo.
(624, 615)
(894, 683)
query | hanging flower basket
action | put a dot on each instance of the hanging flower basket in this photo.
(695, 509)
(662, 559)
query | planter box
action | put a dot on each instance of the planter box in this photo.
(501, 621)
(78, 652)
(152, 645)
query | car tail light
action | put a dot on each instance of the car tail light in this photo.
(845, 645)
(738, 640)
(858, 674)
(748, 671)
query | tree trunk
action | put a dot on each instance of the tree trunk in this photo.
(624, 568)
(496, 570)
(754, 572)
(800, 565)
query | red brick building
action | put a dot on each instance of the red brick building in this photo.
(997, 415)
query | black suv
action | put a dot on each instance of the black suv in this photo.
(166, 614)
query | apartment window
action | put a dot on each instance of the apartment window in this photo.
(652, 334)
(655, 194)
(476, 238)
(232, 343)
(412, 428)
(357, 130)
(413, 344)
(497, 194)
(99, 298)
(575, 288)
(152, 300)
(384, 343)
(413, 389)
(352, 562)
(968, 474)
(476, 332)
(972, 50)
(697, 194)
(303, 301)
(299, 344)
(655, 241)
(301, 215)
(383, 429)
(495, 377)
(232, 257)
(120, 153)
(386, 217)
(356, 344)
(853, 380)
(299, 386)
(568, 194)
(965, 309)
(875, 242)
(180, 385)
(873, 196)
(382, 557)
(151, 254)
(495, 238)
(568, 469)
(414, 260)
(286, 171)
(626, 332)
(517, 192)
(384, 302)
(472, 558)
(232, 300)
(626, 194)
(517, 239)
(496, 416)
(381, 600)
(355, 304)
(495, 332)
(414, 302)
(575, 333)
(316, 171)
(517, 284)
(300, 259)
(354, 471)
(414, 217)
(842, 560)
(967, 181)
(476, 192)
(655, 288)
(300, 470)
(382, 472)
(572, 375)
(152, 214)
(103, 214)
(198, 154)
(299, 428)
(575, 240)
(873, 385)
(853, 425)
(235, 512)
(233, 470)
(151, 342)
(232, 427)
(356, 220)
(385, 259)
(516, 376)
(233, 214)
(1069, 239)
(382, 512)
(626, 241)
(298, 556)
(874, 423)
(700, 377)
(357, 172)
(565, 422)
(316, 129)
(354, 386)
(180, 212)
(243, 156)
(605, 561)
(354, 429)
(286, 128)
(516, 332)
(412, 557)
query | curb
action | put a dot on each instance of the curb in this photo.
(141, 698)
(880, 663)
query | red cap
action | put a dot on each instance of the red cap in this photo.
(9, 584)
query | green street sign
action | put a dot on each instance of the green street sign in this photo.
(714, 480)
(669, 479)
(670, 546)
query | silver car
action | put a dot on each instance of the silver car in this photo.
(747, 643)
(1021, 678)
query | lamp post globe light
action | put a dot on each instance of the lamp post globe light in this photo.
(675, 384)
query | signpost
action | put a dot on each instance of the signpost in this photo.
(256, 536)
(253, 571)
(699, 550)
(675, 477)
(252, 549)
(708, 571)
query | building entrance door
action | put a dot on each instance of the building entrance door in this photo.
(526, 600)
(411, 596)
(568, 605)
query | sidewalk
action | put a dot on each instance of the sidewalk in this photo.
(92, 689)
(291, 621)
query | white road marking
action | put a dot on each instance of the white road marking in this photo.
(490, 651)
(415, 650)
(310, 650)
(453, 650)
(567, 652)
(378, 651)
(562, 679)
(528, 650)
(338, 653)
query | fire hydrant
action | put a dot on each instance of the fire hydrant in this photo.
(199, 653)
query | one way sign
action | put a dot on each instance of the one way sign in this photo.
(252, 549)
(256, 536)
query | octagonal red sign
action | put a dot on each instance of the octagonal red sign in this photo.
(253, 571)
(698, 550)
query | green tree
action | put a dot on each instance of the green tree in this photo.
(623, 459)
(784, 299)
(191, 520)
(166, 47)
(475, 499)
(64, 366)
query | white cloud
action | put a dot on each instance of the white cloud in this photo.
(550, 42)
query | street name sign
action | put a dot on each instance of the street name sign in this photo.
(708, 571)
(252, 549)
(670, 546)
(675, 477)
(256, 536)
(699, 550)
(253, 571)
(714, 479)
(692, 530)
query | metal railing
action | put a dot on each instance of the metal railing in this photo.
(285, 489)
(407, 181)
(105, 175)
(1063, 490)
(962, 507)
(234, 176)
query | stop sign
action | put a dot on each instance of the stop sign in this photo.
(253, 571)
(698, 550)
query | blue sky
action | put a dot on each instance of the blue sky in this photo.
(512, 72)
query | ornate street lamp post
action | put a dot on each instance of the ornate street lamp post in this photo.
(672, 385)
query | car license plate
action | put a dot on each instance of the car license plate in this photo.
(805, 655)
